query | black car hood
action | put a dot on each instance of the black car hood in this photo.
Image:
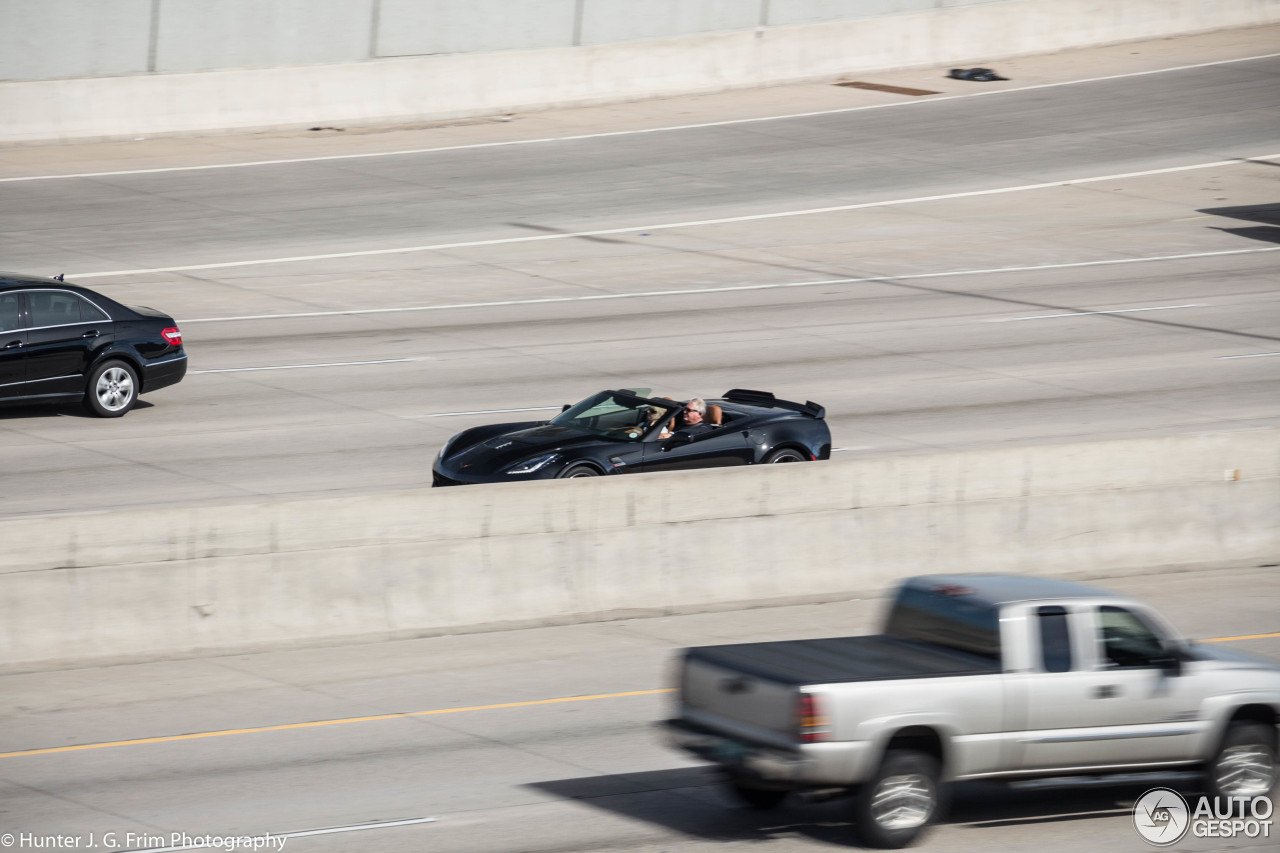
(502, 451)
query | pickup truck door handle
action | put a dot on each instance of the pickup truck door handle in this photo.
(1106, 691)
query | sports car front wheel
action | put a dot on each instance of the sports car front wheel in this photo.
(574, 471)
(786, 454)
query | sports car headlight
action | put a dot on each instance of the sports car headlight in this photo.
(535, 464)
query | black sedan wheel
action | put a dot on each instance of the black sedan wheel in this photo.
(786, 454)
(112, 389)
(575, 471)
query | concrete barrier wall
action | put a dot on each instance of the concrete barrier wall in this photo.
(541, 53)
(174, 581)
(54, 39)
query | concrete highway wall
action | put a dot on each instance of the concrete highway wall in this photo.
(84, 69)
(176, 581)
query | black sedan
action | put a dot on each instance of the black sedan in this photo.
(60, 341)
(620, 432)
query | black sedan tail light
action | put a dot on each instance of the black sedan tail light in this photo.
(172, 335)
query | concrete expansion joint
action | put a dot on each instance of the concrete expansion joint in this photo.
(59, 568)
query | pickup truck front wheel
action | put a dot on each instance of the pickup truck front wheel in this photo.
(903, 797)
(1245, 765)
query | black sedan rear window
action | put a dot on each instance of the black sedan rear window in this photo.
(59, 308)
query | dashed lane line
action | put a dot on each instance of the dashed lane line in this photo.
(697, 291)
(665, 226)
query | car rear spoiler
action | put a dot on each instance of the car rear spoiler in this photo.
(766, 400)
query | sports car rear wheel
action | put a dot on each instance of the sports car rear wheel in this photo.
(786, 454)
(574, 471)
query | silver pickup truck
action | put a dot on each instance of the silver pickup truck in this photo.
(976, 677)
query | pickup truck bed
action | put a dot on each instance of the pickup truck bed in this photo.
(840, 659)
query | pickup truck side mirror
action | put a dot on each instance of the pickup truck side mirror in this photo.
(1169, 662)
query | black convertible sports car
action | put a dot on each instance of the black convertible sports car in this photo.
(619, 432)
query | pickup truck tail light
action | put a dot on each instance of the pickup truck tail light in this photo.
(812, 722)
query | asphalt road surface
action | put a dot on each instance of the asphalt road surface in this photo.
(1063, 263)
(497, 765)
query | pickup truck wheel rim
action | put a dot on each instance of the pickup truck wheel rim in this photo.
(1246, 771)
(902, 802)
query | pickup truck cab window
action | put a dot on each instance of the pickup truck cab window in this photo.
(1126, 639)
(946, 616)
(1055, 639)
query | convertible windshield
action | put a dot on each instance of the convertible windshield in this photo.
(615, 414)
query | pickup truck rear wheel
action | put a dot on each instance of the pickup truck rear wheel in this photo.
(757, 798)
(1245, 765)
(900, 800)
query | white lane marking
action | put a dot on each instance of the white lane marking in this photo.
(732, 288)
(357, 827)
(305, 366)
(1251, 355)
(198, 842)
(475, 145)
(845, 449)
(1091, 313)
(695, 223)
(488, 412)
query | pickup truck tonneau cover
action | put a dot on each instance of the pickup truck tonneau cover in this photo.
(838, 659)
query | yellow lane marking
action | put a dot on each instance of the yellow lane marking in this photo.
(316, 723)
(1245, 637)
(344, 720)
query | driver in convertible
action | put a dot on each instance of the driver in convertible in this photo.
(692, 418)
